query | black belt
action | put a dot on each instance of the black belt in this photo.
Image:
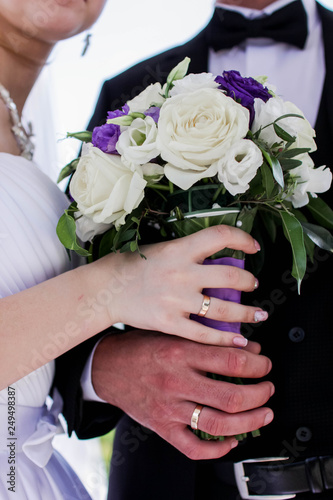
(275, 479)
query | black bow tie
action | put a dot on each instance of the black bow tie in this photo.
(228, 28)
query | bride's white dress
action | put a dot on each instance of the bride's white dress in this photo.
(30, 252)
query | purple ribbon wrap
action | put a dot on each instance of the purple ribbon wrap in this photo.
(227, 294)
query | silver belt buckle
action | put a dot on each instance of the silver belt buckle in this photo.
(242, 480)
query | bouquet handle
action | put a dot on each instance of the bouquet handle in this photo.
(226, 294)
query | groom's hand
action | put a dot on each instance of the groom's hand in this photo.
(159, 379)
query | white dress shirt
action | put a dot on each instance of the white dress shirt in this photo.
(297, 75)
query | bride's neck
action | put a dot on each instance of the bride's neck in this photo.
(21, 60)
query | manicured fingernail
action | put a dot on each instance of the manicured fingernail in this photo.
(268, 418)
(256, 283)
(240, 341)
(256, 244)
(234, 443)
(260, 316)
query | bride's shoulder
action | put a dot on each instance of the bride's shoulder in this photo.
(10, 161)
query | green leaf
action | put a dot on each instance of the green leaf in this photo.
(84, 136)
(321, 212)
(319, 235)
(280, 132)
(290, 153)
(106, 243)
(128, 235)
(267, 179)
(68, 169)
(126, 247)
(246, 218)
(124, 231)
(274, 163)
(66, 231)
(133, 246)
(294, 233)
(289, 115)
(289, 164)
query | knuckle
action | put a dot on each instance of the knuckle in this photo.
(162, 412)
(202, 337)
(170, 384)
(171, 351)
(222, 309)
(214, 427)
(232, 400)
(254, 423)
(225, 232)
(192, 452)
(236, 362)
(233, 275)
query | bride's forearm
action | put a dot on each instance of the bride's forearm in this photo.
(42, 322)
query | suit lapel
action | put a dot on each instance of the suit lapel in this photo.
(327, 98)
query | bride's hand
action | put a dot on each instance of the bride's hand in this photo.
(161, 291)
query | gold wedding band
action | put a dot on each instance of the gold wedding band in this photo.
(195, 417)
(205, 306)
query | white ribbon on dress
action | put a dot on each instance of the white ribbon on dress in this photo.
(38, 446)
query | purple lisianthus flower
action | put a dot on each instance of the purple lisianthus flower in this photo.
(243, 90)
(106, 136)
(154, 112)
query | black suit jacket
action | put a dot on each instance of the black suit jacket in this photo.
(298, 337)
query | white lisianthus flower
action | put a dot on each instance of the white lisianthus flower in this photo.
(105, 189)
(275, 107)
(239, 165)
(86, 228)
(152, 172)
(137, 143)
(195, 130)
(152, 95)
(193, 82)
(308, 179)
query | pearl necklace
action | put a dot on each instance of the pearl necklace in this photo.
(21, 135)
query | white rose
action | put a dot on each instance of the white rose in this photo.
(193, 82)
(275, 107)
(148, 97)
(137, 142)
(308, 179)
(86, 228)
(104, 188)
(195, 130)
(239, 165)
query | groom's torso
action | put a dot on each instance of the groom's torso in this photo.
(298, 337)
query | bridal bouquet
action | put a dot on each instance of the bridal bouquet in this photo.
(198, 151)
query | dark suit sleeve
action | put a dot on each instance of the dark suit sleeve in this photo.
(88, 419)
